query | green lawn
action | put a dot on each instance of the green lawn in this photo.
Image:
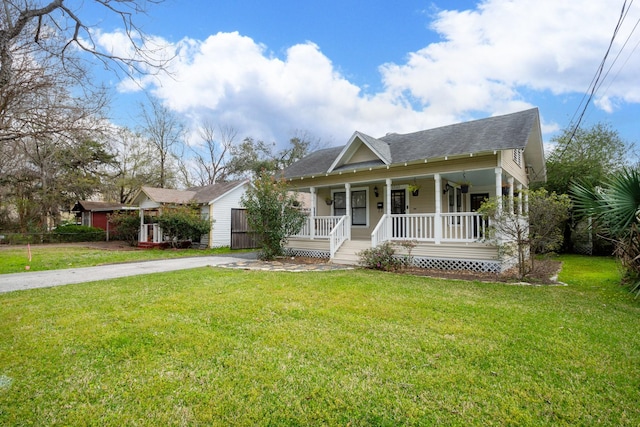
(53, 257)
(226, 347)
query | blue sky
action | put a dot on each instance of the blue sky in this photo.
(329, 68)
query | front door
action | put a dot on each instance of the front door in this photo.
(399, 207)
(478, 224)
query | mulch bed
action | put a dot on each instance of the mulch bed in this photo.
(544, 273)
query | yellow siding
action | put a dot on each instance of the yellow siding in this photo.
(513, 169)
(363, 154)
(397, 173)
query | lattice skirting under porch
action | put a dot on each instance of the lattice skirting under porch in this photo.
(481, 266)
(309, 253)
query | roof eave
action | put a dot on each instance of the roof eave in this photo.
(240, 184)
(400, 164)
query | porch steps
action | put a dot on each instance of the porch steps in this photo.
(346, 255)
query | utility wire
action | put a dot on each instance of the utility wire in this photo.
(595, 82)
(625, 61)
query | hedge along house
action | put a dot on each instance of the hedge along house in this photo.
(423, 186)
(215, 201)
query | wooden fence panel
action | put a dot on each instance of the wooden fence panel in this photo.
(241, 236)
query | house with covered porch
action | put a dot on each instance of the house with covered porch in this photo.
(423, 186)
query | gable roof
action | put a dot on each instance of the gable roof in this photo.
(168, 195)
(200, 195)
(210, 193)
(485, 135)
(379, 148)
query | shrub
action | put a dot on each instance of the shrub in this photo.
(126, 226)
(382, 257)
(272, 214)
(78, 233)
(183, 223)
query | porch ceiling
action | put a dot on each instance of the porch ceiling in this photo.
(478, 177)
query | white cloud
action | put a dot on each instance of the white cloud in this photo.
(488, 54)
(237, 82)
(485, 60)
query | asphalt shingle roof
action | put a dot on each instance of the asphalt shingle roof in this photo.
(168, 195)
(494, 133)
(201, 195)
(211, 192)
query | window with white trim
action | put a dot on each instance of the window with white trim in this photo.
(358, 206)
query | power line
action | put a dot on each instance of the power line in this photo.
(596, 81)
(618, 55)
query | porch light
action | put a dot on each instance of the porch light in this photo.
(375, 191)
(446, 188)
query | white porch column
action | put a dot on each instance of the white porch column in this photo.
(347, 189)
(387, 197)
(499, 188)
(314, 205)
(142, 234)
(526, 203)
(510, 181)
(519, 187)
(437, 230)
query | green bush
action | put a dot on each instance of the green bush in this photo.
(382, 257)
(78, 233)
(126, 226)
(272, 214)
(183, 223)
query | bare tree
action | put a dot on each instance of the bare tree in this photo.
(212, 154)
(165, 132)
(43, 20)
(133, 165)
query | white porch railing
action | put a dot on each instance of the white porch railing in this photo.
(420, 227)
(463, 227)
(382, 231)
(454, 227)
(150, 233)
(340, 233)
(318, 227)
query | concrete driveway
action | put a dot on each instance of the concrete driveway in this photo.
(45, 279)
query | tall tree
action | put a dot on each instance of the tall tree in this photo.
(251, 157)
(132, 167)
(212, 153)
(54, 26)
(591, 156)
(165, 132)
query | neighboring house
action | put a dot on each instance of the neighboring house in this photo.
(96, 214)
(216, 202)
(423, 186)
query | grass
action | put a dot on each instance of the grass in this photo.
(233, 347)
(44, 257)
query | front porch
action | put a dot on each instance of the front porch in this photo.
(443, 241)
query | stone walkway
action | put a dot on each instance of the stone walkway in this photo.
(284, 266)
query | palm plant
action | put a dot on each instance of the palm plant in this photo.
(615, 209)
